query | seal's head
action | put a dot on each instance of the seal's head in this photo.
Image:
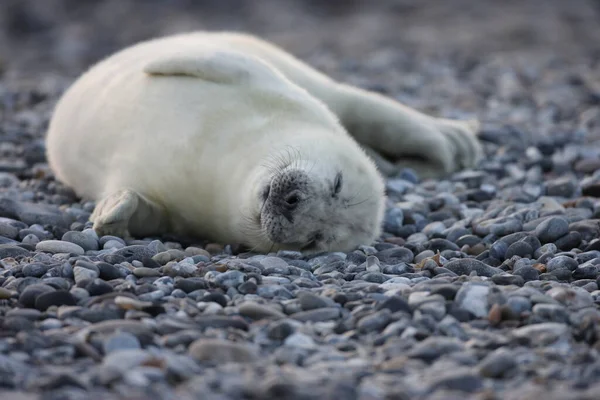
(324, 202)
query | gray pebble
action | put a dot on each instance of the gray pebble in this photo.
(85, 241)
(473, 297)
(318, 315)
(257, 311)
(83, 274)
(498, 364)
(58, 246)
(222, 351)
(551, 229)
(120, 341)
(467, 265)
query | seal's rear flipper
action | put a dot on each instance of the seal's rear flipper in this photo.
(227, 67)
(126, 212)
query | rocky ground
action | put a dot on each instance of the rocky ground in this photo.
(485, 285)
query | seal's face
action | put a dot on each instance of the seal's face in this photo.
(315, 207)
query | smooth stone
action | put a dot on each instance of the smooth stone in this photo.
(497, 364)
(561, 262)
(124, 360)
(120, 341)
(113, 244)
(317, 315)
(144, 272)
(300, 340)
(85, 241)
(29, 295)
(12, 251)
(551, 312)
(222, 351)
(374, 322)
(35, 269)
(465, 266)
(82, 274)
(5, 293)
(98, 287)
(434, 347)
(541, 334)
(572, 297)
(395, 255)
(55, 298)
(231, 278)
(551, 229)
(395, 304)
(34, 213)
(520, 249)
(58, 246)
(473, 297)
(108, 272)
(257, 311)
(189, 285)
(528, 273)
(519, 304)
(30, 239)
(311, 301)
(135, 252)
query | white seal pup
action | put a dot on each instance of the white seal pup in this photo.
(226, 137)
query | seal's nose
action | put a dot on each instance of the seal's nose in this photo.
(286, 192)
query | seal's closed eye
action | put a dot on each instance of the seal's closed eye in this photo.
(337, 184)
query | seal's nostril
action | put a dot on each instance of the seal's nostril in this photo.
(292, 200)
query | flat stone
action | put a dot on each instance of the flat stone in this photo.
(12, 251)
(135, 252)
(58, 246)
(541, 334)
(142, 272)
(465, 266)
(317, 315)
(257, 311)
(222, 351)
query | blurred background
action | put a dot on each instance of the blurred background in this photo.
(533, 63)
(67, 35)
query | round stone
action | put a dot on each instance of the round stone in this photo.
(31, 293)
(55, 298)
(120, 341)
(98, 287)
(85, 241)
(551, 229)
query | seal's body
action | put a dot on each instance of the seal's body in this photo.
(226, 137)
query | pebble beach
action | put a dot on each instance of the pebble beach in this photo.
(484, 285)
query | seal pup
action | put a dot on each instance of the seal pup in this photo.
(226, 137)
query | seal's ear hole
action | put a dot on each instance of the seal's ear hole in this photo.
(337, 184)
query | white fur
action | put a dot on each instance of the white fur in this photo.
(183, 129)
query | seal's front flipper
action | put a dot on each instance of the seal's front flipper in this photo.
(125, 213)
(219, 66)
